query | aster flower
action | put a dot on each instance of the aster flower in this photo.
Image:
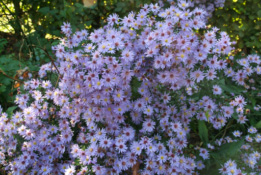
(252, 130)
(217, 90)
(204, 153)
(148, 125)
(121, 147)
(249, 139)
(136, 148)
(237, 133)
(148, 110)
(70, 170)
(211, 74)
(242, 119)
(198, 76)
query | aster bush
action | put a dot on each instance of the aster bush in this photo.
(155, 92)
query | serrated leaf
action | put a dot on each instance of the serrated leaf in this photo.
(203, 132)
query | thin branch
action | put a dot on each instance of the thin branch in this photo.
(20, 51)
(224, 130)
(1, 71)
(228, 126)
(49, 56)
(135, 169)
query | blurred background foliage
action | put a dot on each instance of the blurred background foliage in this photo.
(241, 19)
(29, 26)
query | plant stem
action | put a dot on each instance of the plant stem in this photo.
(49, 56)
(1, 71)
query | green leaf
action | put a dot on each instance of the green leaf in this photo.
(78, 5)
(63, 13)
(203, 132)
(259, 13)
(44, 10)
(120, 6)
(3, 42)
(54, 12)
(5, 81)
(231, 89)
(258, 125)
(228, 149)
(235, 116)
(253, 101)
(10, 110)
(118, 9)
(135, 84)
(88, 23)
(2, 88)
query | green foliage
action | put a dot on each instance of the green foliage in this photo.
(8, 66)
(230, 88)
(135, 84)
(241, 19)
(228, 150)
(3, 43)
(203, 132)
(258, 125)
(10, 110)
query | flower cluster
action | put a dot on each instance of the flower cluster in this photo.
(126, 96)
(209, 5)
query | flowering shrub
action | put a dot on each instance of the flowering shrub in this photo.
(132, 95)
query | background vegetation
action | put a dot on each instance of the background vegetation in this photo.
(241, 19)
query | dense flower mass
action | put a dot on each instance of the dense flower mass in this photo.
(127, 95)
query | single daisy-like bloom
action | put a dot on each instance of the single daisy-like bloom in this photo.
(237, 133)
(204, 153)
(148, 125)
(217, 90)
(148, 110)
(136, 148)
(252, 130)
